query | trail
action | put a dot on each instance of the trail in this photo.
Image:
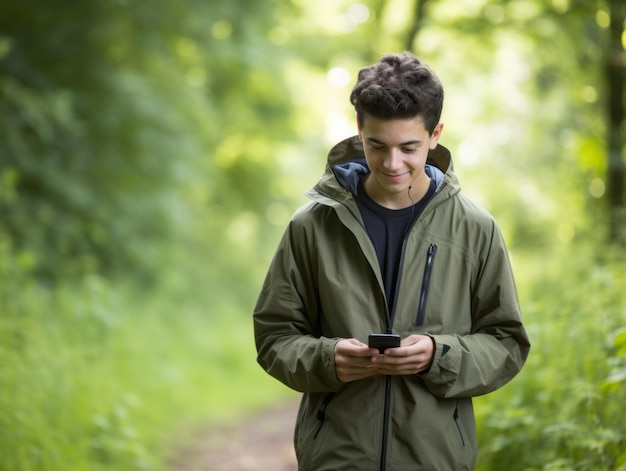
(262, 442)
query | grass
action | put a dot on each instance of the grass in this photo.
(95, 377)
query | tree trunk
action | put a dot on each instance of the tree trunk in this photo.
(616, 169)
(416, 24)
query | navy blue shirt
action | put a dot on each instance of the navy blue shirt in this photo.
(387, 229)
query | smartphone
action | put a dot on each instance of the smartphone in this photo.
(383, 341)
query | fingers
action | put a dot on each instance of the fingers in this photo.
(413, 356)
(353, 368)
(354, 360)
(408, 365)
(353, 348)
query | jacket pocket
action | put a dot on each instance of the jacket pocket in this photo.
(457, 422)
(423, 300)
(321, 413)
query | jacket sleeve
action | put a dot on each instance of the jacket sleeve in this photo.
(497, 346)
(285, 318)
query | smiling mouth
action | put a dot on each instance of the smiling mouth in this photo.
(394, 176)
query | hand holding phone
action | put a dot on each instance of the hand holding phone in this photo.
(383, 341)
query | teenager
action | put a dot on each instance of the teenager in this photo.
(388, 244)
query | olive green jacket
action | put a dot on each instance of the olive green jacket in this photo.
(324, 284)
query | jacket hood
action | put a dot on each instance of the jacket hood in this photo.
(346, 164)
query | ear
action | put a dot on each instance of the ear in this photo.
(358, 127)
(434, 137)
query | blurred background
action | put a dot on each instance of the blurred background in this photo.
(152, 152)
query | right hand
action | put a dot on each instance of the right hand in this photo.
(353, 360)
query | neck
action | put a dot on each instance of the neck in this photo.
(419, 187)
(414, 193)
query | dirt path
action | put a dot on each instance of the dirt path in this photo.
(263, 442)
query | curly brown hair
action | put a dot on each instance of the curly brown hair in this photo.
(398, 86)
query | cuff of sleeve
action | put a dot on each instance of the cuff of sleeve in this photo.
(328, 361)
(446, 359)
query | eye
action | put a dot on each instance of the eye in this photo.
(376, 147)
(409, 150)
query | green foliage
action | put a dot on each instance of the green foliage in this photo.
(564, 411)
(94, 377)
(110, 111)
(81, 164)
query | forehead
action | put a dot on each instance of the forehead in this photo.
(393, 130)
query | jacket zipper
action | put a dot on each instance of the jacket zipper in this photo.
(432, 250)
(421, 313)
(385, 437)
(421, 309)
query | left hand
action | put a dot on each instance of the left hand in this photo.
(415, 354)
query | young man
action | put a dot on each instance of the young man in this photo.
(389, 245)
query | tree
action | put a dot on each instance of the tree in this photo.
(419, 13)
(615, 66)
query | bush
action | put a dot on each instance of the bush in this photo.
(96, 377)
(564, 411)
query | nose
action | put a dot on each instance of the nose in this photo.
(393, 160)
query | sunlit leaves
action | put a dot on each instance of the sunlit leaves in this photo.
(617, 376)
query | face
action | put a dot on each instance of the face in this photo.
(396, 152)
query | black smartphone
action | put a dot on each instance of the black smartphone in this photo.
(383, 341)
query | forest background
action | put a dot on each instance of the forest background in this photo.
(152, 153)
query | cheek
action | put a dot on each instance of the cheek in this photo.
(418, 161)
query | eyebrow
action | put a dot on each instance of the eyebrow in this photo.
(407, 143)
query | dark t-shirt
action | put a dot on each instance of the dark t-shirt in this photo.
(387, 229)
